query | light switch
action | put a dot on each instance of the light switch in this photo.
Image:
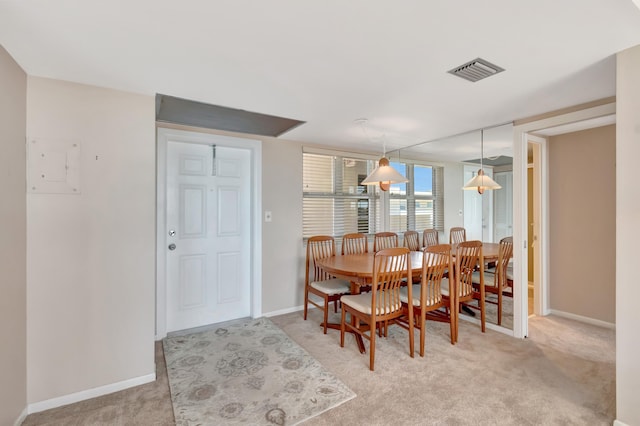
(267, 216)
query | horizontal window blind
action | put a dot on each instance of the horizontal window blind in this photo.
(336, 203)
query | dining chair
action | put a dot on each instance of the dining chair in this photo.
(382, 304)
(428, 295)
(429, 238)
(411, 240)
(319, 282)
(469, 258)
(457, 235)
(383, 240)
(496, 282)
(355, 243)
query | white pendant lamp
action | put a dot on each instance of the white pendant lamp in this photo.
(383, 175)
(481, 182)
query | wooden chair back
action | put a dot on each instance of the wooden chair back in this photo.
(457, 235)
(429, 238)
(411, 240)
(505, 252)
(384, 240)
(355, 243)
(468, 258)
(318, 247)
(391, 269)
(436, 261)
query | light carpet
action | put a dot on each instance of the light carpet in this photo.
(247, 372)
(491, 310)
(563, 374)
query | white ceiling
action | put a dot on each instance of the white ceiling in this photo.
(329, 62)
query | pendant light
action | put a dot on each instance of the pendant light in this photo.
(481, 182)
(383, 175)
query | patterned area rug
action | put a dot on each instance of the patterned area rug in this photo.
(247, 372)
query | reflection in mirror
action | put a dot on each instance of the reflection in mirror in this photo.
(488, 217)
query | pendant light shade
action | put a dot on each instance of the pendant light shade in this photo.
(481, 182)
(384, 175)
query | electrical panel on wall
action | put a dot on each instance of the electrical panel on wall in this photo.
(53, 166)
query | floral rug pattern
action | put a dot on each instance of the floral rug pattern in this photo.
(247, 372)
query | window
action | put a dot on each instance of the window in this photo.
(419, 203)
(335, 202)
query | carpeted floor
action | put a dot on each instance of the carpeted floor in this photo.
(148, 404)
(564, 373)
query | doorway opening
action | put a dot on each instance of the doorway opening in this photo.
(536, 131)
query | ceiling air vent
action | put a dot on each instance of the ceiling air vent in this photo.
(476, 70)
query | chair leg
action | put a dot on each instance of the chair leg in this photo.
(326, 313)
(454, 318)
(482, 310)
(423, 326)
(342, 319)
(452, 332)
(500, 307)
(306, 302)
(335, 306)
(411, 336)
(372, 350)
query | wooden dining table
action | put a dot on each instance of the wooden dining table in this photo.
(358, 270)
(490, 251)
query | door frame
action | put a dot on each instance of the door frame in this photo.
(541, 220)
(521, 136)
(254, 146)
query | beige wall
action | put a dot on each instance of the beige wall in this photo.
(13, 242)
(582, 200)
(282, 248)
(91, 256)
(627, 236)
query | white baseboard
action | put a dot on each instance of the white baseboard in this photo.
(580, 318)
(619, 423)
(89, 393)
(286, 311)
(21, 417)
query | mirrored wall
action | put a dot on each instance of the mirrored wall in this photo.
(487, 217)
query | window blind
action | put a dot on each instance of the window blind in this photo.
(335, 203)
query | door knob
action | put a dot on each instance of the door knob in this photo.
(172, 246)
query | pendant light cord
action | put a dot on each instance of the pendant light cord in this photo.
(481, 150)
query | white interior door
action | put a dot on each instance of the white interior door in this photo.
(208, 268)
